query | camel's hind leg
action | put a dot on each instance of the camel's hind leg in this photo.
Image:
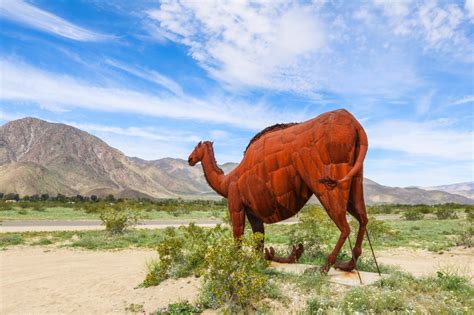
(356, 208)
(336, 205)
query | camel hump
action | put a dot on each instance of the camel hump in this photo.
(269, 129)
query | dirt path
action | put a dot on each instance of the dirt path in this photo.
(43, 280)
(422, 262)
(82, 225)
(59, 281)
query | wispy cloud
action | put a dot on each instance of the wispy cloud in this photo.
(242, 44)
(464, 100)
(149, 75)
(429, 139)
(438, 25)
(34, 17)
(139, 132)
(469, 6)
(21, 82)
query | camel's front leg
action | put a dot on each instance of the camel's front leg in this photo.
(236, 211)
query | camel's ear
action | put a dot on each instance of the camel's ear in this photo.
(212, 142)
(199, 144)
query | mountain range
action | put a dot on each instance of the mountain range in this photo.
(42, 157)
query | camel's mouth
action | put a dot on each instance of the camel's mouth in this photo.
(191, 162)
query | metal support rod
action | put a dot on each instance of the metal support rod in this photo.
(373, 254)
(353, 260)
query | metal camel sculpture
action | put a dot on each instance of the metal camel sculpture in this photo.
(284, 165)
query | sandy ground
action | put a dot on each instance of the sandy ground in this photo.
(422, 262)
(63, 281)
(43, 280)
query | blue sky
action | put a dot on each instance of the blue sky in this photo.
(153, 78)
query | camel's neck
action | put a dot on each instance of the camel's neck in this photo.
(214, 175)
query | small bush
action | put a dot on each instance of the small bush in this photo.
(234, 278)
(5, 206)
(445, 214)
(465, 235)
(43, 241)
(413, 215)
(135, 308)
(314, 230)
(10, 239)
(182, 308)
(116, 219)
(181, 253)
(318, 305)
(22, 212)
(450, 281)
(37, 207)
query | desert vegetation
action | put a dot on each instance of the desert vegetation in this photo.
(235, 278)
(58, 207)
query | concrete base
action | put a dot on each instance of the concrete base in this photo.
(335, 276)
(352, 279)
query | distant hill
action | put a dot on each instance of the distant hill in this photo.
(41, 157)
(463, 189)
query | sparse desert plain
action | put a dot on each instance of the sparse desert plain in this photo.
(46, 280)
(96, 272)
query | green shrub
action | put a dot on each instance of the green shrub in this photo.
(23, 212)
(117, 218)
(314, 230)
(135, 308)
(445, 213)
(470, 213)
(38, 207)
(318, 305)
(450, 281)
(234, 277)
(413, 215)
(465, 235)
(10, 239)
(181, 253)
(5, 206)
(378, 229)
(182, 308)
(43, 241)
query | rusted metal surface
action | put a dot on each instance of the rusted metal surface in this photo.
(283, 167)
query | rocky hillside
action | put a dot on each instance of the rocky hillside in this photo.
(463, 189)
(41, 157)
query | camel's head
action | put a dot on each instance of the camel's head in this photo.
(197, 155)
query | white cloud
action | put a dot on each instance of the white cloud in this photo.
(34, 17)
(149, 75)
(429, 139)
(140, 132)
(464, 100)
(439, 26)
(20, 82)
(469, 6)
(245, 44)
(439, 23)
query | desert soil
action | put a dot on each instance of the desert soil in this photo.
(47, 280)
(423, 263)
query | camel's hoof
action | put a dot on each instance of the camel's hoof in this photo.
(345, 266)
(269, 253)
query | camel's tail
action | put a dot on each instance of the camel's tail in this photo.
(362, 144)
